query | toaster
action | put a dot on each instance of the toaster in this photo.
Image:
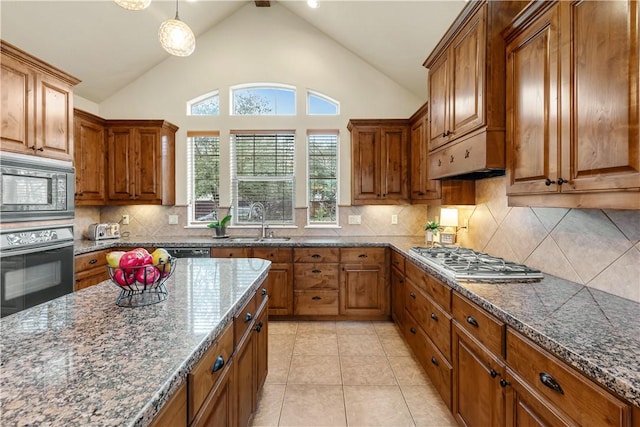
(109, 230)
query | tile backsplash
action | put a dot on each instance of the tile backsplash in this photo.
(598, 248)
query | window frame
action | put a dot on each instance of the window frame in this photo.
(198, 99)
(278, 86)
(310, 222)
(324, 97)
(191, 202)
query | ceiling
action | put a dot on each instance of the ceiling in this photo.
(108, 47)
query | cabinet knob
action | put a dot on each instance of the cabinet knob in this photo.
(466, 154)
(444, 134)
(472, 321)
(434, 361)
(363, 256)
(316, 271)
(412, 295)
(263, 292)
(413, 330)
(439, 162)
(316, 298)
(548, 182)
(41, 149)
(315, 256)
(248, 317)
(420, 193)
(550, 382)
(219, 363)
(434, 316)
(93, 261)
(562, 181)
(493, 373)
(259, 326)
(504, 383)
(451, 160)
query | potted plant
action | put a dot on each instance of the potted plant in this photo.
(220, 226)
(431, 228)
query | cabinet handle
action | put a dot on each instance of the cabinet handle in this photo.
(93, 261)
(420, 193)
(550, 382)
(33, 147)
(451, 160)
(263, 292)
(41, 149)
(504, 383)
(248, 317)
(493, 373)
(316, 271)
(444, 134)
(548, 182)
(434, 316)
(259, 326)
(315, 256)
(439, 162)
(434, 361)
(80, 194)
(316, 298)
(401, 281)
(413, 330)
(472, 321)
(412, 295)
(219, 363)
(562, 181)
(363, 256)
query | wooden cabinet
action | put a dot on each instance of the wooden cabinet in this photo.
(316, 281)
(466, 92)
(279, 282)
(89, 158)
(90, 268)
(364, 289)
(141, 162)
(421, 187)
(218, 407)
(573, 105)
(397, 283)
(379, 161)
(37, 106)
(174, 412)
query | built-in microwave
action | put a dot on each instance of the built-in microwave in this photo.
(35, 189)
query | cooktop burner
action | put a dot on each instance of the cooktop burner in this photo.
(467, 264)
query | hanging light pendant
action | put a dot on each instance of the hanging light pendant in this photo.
(133, 4)
(176, 37)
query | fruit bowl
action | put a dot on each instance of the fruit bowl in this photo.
(142, 285)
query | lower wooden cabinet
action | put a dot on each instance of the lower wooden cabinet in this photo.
(364, 289)
(218, 409)
(245, 380)
(174, 412)
(397, 296)
(90, 269)
(262, 349)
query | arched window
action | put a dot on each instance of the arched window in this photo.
(318, 104)
(204, 105)
(263, 100)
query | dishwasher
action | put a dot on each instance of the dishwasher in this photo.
(189, 252)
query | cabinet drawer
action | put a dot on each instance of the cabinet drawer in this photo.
(281, 255)
(480, 324)
(362, 255)
(433, 287)
(91, 277)
(397, 261)
(262, 295)
(174, 412)
(204, 376)
(435, 322)
(316, 276)
(435, 364)
(91, 260)
(230, 252)
(243, 319)
(316, 255)
(315, 302)
(577, 396)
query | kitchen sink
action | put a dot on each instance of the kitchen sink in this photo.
(259, 239)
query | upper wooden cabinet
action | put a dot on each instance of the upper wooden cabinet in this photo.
(37, 106)
(89, 158)
(466, 92)
(573, 99)
(379, 161)
(141, 162)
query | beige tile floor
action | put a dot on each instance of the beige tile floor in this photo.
(345, 374)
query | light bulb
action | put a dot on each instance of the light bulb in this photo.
(133, 4)
(176, 37)
(313, 4)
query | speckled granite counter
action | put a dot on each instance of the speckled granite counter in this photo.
(593, 331)
(81, 360)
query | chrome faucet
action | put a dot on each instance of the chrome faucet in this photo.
(263, 226)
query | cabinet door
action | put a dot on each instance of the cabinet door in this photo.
(601, 95)
(395, 163)
(89, 158)
(532, 114)
(366, 167)
(279, 282)
(218, 410)
(148, 173)
(397, 296)
(439, 102)
(121, 164)
(477, 395)
(16, 108)
(422, 188)
(174, 412)
(467, 76)
(54, 112)
(262, 349)
(363, 290)
(245, 380)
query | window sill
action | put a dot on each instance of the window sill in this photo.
(322, 226)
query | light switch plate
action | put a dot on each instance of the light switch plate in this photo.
(447, 238)
(355, 219)
(173, 219)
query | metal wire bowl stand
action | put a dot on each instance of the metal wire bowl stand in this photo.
(150, 290)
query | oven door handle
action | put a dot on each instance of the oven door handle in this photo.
(33, 249)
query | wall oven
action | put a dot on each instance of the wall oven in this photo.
(36, 265)
(35, 189)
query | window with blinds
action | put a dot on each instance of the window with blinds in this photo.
(203, 169)
(322, 161)
(262, 173)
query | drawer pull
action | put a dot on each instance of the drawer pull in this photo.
(316, 271)
(466, 154)
(316, 298)
(263, 292)
(413, 330)
(401, 281)
(504, 383)
(315, 256)
(434, 361)
(493, 373)
(363, 256)
(434, 316)
(259, 326)
(550, 382)
(472, 321)
(439, 162)
(248, 317)
(451, 160)
(219, 363)
(93, 261)
(412, 295)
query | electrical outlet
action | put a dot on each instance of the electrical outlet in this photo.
(394, 219)
(125, 220)
(173, 219)
(355, 219)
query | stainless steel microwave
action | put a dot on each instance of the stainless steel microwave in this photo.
(35, 189)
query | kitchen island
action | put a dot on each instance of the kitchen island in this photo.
(81, 360)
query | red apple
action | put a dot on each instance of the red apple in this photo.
(146, 256)
(147, 274)
(131, 259)
(122, 278)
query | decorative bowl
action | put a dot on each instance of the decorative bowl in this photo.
(143, 285)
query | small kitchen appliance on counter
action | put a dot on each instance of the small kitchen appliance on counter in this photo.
(467, 264)
(109, 230)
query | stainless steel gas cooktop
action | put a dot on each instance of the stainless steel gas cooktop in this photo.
(467, 264)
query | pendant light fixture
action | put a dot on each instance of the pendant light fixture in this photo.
(176, 37)
(133, 4)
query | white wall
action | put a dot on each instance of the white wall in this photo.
(263, 45)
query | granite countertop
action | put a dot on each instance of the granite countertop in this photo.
(595, 332)
(80, 360)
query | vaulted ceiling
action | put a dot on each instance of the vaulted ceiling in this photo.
(107, 47)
